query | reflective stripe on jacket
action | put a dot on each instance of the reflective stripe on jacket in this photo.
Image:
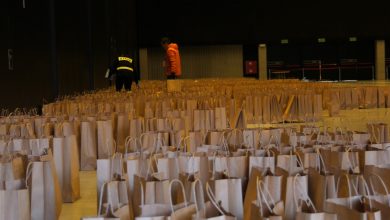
(125, 63)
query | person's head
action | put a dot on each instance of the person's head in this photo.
(165, 42)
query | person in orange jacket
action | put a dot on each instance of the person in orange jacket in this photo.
(172, 59)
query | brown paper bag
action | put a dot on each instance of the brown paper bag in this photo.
(234, 139)
(383, 171)
(276, 110)
(20, 145)
(211, 210)
(271, 136)
(5, 147)
(169, 167)
(271, 182)
(38, 125)
(4, 129)
(12, 173)
(266, 109)
(290, 163)
(149, 141)
(264, 161)
(150, 125)
(39, 146)
(265, 207)
(150, 198)
(136, 127)
(250, 194)
(258, 110)
(351, 208)
(195, 140)
(65, 155)
(380, 202)
(107, 169)
(341, 161)
(15, 204)
(236, 167)
(240, 120)
(149, 113)
(199, 120)
(88, 150)
(380, 194)
(162, 124)
(14, 131)
(294, 183)
(184, 210)
(45, 189)
(307, 211)
(215, 138)
(174, 85)
(105, 139)
(378, 132)
(64, 129)
(122, 131)
(251, 138)
(178, 124)
(107, 215)
(317, 106)
(191, 106)
(176, 139)
(229, 192)
(220, 119)
(117, 198)
(321, 186)
(136, 164)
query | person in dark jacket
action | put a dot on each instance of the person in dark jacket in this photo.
(124, 72)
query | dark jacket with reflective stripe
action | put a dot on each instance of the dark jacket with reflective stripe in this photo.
(123, 65)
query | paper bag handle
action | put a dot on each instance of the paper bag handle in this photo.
(307, 199)
(212, 198)
(101, 198)
(127, 143)
(183, 142)
(349, 188)
(299, 160)
(341, 133)
(190, 159)
(367, 189)
(136, 142)
(193, 187)
(382, 183)
(28, 173)
(182, 190)
(352, 165)
(236, 132)
(320, 161)
(373, 136)
(227, 165)
(260, 189)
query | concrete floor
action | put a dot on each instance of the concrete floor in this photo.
(353, 119)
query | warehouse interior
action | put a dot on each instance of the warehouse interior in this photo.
(316, 73)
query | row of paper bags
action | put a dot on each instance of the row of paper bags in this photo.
(288, 182)
(37, 175)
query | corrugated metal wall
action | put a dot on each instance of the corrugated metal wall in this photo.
(199, 62)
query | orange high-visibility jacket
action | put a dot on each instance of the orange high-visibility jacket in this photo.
(172, 60)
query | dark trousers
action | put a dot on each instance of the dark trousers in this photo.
(123, 79)
(172, 76)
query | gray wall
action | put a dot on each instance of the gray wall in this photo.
(197, 62)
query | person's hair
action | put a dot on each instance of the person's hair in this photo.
(165, 40)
